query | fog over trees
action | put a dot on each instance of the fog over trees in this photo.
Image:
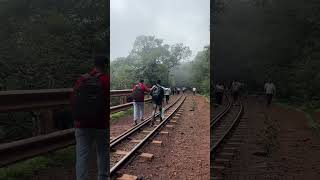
(259, 39)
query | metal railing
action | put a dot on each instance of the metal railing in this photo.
(39, 100)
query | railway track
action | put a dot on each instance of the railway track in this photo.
(127, 145)
(224, 138)
(130, 131)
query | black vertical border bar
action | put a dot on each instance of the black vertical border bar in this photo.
(212, 19)
(108, 28)
(107, 50)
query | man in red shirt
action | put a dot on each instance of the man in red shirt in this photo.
(91, 112)
(138, 101)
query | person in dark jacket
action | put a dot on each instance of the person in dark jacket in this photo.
(219, 93)
(157, 93)
(138, 101)
(95, 128)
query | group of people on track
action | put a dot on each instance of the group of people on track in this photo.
(237, 89)
(159, 94)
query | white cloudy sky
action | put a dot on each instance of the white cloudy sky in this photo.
(174, 21)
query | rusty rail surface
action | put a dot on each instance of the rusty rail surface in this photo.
(221, 139)
(21, 100)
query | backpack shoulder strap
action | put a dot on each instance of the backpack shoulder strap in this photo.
(98, 74)
(85, 76)
(137, 87)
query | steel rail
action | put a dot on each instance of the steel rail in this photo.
(125, 134)
(221, 139)
(222, 113)
(125, 106)
(120, 163)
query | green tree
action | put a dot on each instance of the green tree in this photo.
(149, 59)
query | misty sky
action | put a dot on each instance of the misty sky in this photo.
(174, 21)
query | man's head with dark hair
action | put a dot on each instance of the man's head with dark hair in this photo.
(101, 62)
(141, 81)
(159, 81)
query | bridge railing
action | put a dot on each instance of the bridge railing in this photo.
(43, 102)
(45, 98)
(21, 100)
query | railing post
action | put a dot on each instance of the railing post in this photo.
(121, 100)
(125, 99)
(45, 122)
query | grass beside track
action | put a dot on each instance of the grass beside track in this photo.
(26, 169)
(118, 115)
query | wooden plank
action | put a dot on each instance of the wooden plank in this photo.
(121, 152)
(127, 177)
(146, 156)
(157, 142)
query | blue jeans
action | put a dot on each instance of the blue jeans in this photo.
(138, 110)
(85, 137)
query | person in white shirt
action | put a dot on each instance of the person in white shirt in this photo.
(235, 86)
(194, 91)
(183, 90)
(270, 91)
(167, 92)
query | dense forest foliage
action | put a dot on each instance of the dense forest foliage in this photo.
(259, 39)
(48, 43)
(150, 59)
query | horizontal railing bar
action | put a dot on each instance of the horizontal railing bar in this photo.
(19, 100)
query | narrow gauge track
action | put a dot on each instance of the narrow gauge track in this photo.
(222, 145)
(221, 114)
(141, 133)
(130, 131)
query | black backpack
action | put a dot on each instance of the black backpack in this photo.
(90, 99)
(157, 91)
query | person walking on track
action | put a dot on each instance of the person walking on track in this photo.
(90, 109)
(270, 91)
(219, 93)
(194, 90)
(157, 93)
(138, 101)
(167, 92)
(235, 86)
(183, 89)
